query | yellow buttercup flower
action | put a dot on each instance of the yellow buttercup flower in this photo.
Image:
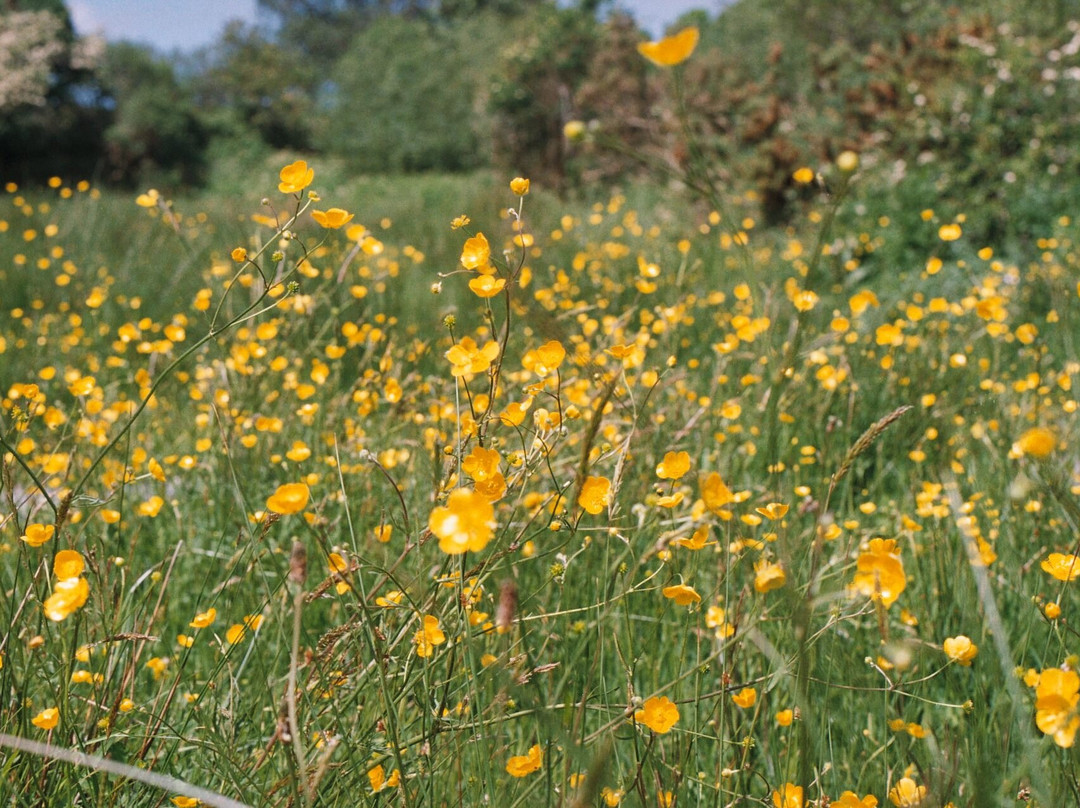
(47, 719)
(698, 541)
(36, 535)
(960, 649)
(682, 594)
(907, 794)
(595, 494)
(880, 574)
(519, 186)
(69, 595)
(481, 464)
(466, 523)
(546, 359)
(289, 498)
(485, 286)
(849, 799)
(714, 493)
(1056, 697)
(673, 466)
(68, 564)
(332, 219)
(467, 357)
(658, 713)
(774, 510)
(611, 796)
(295, 177)
(379, 781)
(521, 765)
(745, 698)
(476, 253)
(428, 637)
(949, 232)
(671, 50)
(574, 130)
(1063, 566)
(789, 796)
(1037, 442)
(204, 619)
(768, 575)
(716, 618)
(149, 199)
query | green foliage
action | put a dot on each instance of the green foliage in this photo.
(850, 394)
(268, 89)
(615, 94)
(592, 632)
(320, 30)
(50, 119)
(407, 96)
(539, 71)
(968, 98)
(155, 135)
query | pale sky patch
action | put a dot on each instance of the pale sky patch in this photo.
(190, 24)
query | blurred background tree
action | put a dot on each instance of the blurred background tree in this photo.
(424, 111)
(154, 136)
(533, 86)
(251, 87)
(51, 119)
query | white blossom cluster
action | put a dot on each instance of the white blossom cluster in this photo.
(31, 42)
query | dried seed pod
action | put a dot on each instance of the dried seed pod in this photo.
(507, 609)
(298, 563)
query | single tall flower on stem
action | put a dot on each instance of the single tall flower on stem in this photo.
(671, 50)
(295, 177)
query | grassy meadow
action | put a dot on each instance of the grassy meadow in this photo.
(486, 496)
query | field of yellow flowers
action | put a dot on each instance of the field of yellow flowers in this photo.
(616, 507)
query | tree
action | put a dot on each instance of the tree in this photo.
(407, 96)
(267, 89)
(30, 43)
(155, 131)
(321, 29)
(536, 79)
(50, 118)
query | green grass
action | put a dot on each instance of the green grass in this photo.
(575, 631)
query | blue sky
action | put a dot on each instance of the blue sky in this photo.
(189, 24)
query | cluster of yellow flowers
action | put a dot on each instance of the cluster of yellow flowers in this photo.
(585, 469)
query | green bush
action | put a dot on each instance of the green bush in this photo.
(405, 97)
(155, 135)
